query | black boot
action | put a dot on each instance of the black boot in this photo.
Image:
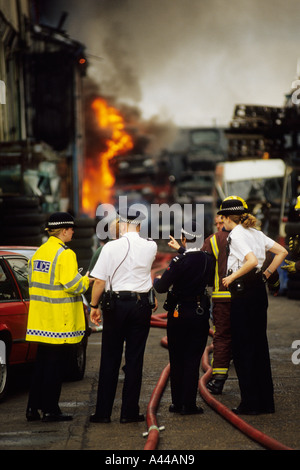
(216, 384)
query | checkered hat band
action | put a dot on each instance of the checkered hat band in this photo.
(57, 224)
(191, 234)
(128, 221)
(236, 208)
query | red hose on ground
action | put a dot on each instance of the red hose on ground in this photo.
(159, 320)
(250, 431)
(153, 431)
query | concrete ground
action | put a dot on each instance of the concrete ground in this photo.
(189, 434)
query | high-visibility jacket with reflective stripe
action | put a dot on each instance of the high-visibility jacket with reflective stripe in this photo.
(216, 245)
(55, 310)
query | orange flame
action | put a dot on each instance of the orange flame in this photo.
(98, 179)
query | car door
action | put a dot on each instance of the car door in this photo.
(14, 302)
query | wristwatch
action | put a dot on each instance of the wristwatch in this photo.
(93, 306)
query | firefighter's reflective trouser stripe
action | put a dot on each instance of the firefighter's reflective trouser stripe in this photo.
(220, 371)
(56, 311)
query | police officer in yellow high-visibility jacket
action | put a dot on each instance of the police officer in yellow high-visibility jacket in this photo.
(56, 316)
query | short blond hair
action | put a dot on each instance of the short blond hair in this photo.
(53, 232)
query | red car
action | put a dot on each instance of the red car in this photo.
(14, 305)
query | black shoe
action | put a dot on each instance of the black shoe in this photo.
(195, 410)
(32, 415)
(135, 419)
(52, 417)
(242, 410)
(267, 410)
(174, 409)
(99, 419)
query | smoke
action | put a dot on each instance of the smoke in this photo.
(149, 135)
(186, 61)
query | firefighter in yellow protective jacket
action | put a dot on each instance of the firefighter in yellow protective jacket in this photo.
(56, 316)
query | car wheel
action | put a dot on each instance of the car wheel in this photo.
(3, 370)
(77, 361)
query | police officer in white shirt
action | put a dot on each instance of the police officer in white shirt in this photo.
(123, 276)
(246, 282)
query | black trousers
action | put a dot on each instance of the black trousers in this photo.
(128, 323)
(250, 347)
(187, 337)
(47, 377)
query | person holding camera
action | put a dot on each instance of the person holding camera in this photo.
(123, 275)
(246, 281)
(187, 305)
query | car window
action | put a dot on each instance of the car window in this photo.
(19, 267)
(8, 290)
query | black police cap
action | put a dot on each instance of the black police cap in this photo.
(232, 207)
(131, 217)
(60, 220)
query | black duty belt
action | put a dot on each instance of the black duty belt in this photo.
(189, 299)
(246, 282)
(253, 275)
(129, 295)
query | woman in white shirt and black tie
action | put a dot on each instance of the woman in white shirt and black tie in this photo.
(247, 248)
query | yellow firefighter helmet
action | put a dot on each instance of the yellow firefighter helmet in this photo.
(297, 206)
(240, 199)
